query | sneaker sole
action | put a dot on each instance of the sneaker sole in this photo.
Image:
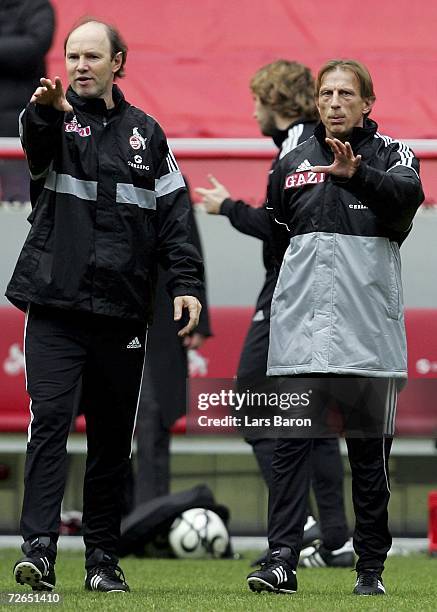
(258, 585)
(111, 591)
(89, 588)
(27, 573)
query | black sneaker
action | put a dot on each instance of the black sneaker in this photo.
(369, 582)
(319, 556)
(103, 573)
(275, 575)
(311, 536)
(37, 568)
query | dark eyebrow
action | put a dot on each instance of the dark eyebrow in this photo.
(71, 53)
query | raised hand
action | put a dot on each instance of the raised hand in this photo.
(345, 163)
(51, 94)
(212, 199)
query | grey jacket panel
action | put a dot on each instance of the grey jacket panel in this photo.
(338, 307)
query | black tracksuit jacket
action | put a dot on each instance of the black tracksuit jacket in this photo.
(112, 205)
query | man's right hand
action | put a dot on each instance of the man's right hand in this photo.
(51, 94)
(213, 198)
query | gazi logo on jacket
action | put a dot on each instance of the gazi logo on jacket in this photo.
(74, 126)
(303, 175)
(300, 179)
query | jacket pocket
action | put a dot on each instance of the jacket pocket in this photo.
(395, 286)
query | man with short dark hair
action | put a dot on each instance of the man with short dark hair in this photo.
(348, 196)
(112, 204)
(284, 108)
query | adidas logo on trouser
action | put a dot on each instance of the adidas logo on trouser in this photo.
(133, 344)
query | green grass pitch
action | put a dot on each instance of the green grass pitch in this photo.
(209, 586)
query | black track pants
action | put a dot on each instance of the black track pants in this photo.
(327, 466)
(61, 348)
(368, 457)
(326, 473)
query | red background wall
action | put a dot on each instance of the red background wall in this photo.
(189, 63)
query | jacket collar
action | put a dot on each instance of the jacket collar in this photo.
(358, 138)
(279, 136)
(96, 106)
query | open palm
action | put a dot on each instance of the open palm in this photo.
(50, 94)
(345, 163)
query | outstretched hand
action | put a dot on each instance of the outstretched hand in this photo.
(212, 199)
(50, 94)
(345, 163)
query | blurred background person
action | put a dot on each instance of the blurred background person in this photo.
(163, 395)
(26, 34)
(285, 110)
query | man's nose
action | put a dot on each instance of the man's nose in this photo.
(335, 100)
(82, 64)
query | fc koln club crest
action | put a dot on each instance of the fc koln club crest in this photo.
(137, 141)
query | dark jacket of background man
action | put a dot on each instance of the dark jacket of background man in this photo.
(26, 33)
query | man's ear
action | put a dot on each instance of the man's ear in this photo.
(117, 60)
(368, 105)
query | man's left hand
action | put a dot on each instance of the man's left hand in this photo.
(212, 199)
(194, 308)
(345, 163)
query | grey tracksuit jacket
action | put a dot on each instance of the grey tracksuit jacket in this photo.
(338, 305)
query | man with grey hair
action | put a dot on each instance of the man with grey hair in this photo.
(348, 196)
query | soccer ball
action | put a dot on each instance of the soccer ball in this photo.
(197, 534)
